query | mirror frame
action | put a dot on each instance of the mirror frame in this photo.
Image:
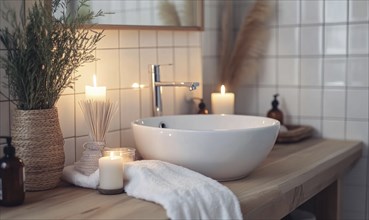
(199, 27)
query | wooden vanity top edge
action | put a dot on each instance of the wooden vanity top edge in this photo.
(309, 165)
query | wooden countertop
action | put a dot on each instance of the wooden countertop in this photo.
(290, 175)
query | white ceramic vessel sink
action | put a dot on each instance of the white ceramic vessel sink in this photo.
(223, 147)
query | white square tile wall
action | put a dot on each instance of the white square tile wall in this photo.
(288, 41)
(357, 72)
(335, 11)
(311, 12)
(317, 60)
(334, 103)
(311, 71)
(311, 40)
(289, 12)
(335, 71)
(335, 39)
(358, 38)
(356, 106)
(288, 71)
(358, 10)
(311, 102)
(268, 70)
(333, 129)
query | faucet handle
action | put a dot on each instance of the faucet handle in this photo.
(156, 67)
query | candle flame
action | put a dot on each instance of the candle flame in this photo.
(137, 86)
(222, 89)
(94, 80)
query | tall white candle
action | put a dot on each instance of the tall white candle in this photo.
(96, 93)
(222, 103)
(111, 172)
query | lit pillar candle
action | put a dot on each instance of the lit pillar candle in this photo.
(111, 173)
(222, 103)
(96, 93)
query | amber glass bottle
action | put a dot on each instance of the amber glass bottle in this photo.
(275, 112)
(11, 177)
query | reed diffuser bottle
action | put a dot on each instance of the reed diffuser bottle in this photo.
(12, 190)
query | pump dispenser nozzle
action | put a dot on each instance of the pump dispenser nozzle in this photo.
(9, 150)
(275, 102)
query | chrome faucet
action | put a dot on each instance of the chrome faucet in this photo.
(156, 85)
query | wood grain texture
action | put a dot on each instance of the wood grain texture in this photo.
(292, 174)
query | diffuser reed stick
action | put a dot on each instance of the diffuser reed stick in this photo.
(98, 115)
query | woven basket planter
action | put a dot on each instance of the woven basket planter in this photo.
(39, 142)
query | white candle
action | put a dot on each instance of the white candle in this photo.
(222, 103)
(96, 93)
(111, 172)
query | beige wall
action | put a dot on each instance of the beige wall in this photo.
(124, 56)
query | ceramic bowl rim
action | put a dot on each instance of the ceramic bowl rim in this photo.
(274, 123)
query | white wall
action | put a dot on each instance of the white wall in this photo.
(317, 60)
(124, 56)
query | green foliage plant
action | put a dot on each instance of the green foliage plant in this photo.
(44, 51)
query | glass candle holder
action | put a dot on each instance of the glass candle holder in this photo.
(128, 154)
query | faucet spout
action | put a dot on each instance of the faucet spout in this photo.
(156, 85)
(190, 85)
(194, 86)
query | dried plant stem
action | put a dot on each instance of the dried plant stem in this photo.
(43, 51)
(249, 45)
(226, 36)
(189, 13)
(168, 13)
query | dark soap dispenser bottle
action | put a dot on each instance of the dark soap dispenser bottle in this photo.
(275, 112)
(12, 190)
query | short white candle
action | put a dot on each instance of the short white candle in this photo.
(111, 172)
(96, 93)
(222, 103)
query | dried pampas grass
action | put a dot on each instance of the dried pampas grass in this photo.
(226, 37)
(168, 13)
(189, 16)
(250, 43)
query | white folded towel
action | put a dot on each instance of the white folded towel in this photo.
(71, 175)
(184, 194)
